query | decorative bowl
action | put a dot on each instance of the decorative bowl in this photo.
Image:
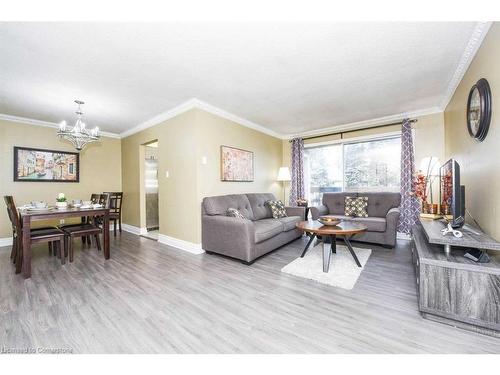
(329, 220)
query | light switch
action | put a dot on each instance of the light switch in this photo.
(204, 160)
(167, 174)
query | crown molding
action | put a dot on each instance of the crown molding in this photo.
(164, 116)
(31, 121)
(195, 103)
(232, 117)
(468, 55)
(365, 124)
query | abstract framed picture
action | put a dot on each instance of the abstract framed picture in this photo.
(39, 165)
(236, 164)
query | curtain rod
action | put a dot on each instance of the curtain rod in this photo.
(355, 130)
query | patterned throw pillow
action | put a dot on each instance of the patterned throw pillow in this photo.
(356, 207)
(277, 208)
(233, 212)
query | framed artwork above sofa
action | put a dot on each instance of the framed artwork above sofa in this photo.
(236, 164)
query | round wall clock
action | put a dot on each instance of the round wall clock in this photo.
(479, 110)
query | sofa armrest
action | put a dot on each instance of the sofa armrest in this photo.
(393, 213)
(318, 211)
(392, 219)
(227, 235)
(296, 211)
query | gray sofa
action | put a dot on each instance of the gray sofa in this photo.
(382, 220)
(246, 239)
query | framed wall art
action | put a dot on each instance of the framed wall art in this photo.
(33, 164)
(236, 164)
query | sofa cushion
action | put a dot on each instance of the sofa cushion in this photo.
(356, 206)
(289, 222)
(380, 203)
(267, 228)
(372, 224)
(277, 209)
(220, 204)
(336, 202)
(258, 203)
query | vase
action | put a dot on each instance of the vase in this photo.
(61, 204)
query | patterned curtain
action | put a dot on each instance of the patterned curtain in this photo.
(297, 188)
(409, 203)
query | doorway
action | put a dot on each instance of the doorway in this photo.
(151, 189)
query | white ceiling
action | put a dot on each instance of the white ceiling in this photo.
(288, 77)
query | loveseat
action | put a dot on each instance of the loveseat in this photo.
(249, 238)
(382, 220)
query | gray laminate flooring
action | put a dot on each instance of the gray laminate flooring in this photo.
(150, 298)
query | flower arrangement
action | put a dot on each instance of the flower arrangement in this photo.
(61, 198)
(61, 201)
(420, 188)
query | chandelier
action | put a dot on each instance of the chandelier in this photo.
(78, 135)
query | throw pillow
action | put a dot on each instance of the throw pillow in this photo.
(277, 208)
(356, 206)
(233, 212)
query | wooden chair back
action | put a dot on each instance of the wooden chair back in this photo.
(14, 217)
(115, 201)
(102, 199)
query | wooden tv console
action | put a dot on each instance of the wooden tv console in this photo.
(452, 289)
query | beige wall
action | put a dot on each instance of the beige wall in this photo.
(429, 139)
(182, 142)
(178, 193)
(100, 167)
(479, 162)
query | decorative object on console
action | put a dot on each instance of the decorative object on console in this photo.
(423, 186)
(449, 229)
(284, 176)
(233, 212)
(478, 256)
(479, 110)
(33, 164)
(236, 164)
(277, 209)
(356, 206)
(78, 135)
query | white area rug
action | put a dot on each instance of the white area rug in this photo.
(343, 272)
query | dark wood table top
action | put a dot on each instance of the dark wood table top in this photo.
(343, 228)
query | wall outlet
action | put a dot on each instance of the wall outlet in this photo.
(61, 221)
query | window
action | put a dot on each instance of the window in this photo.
(367, 165)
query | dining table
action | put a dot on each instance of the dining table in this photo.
(29, 216)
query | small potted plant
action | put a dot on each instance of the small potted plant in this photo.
(61, 201)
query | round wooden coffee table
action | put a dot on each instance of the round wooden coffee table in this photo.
(347, 229)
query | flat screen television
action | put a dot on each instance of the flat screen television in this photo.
(452, 194)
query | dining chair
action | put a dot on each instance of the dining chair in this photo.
(87, 228)
(53, 236)
(115, 209)
(103, 200)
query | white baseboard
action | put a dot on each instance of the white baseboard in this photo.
(133, 229)
(190, 247)
(7, 241)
